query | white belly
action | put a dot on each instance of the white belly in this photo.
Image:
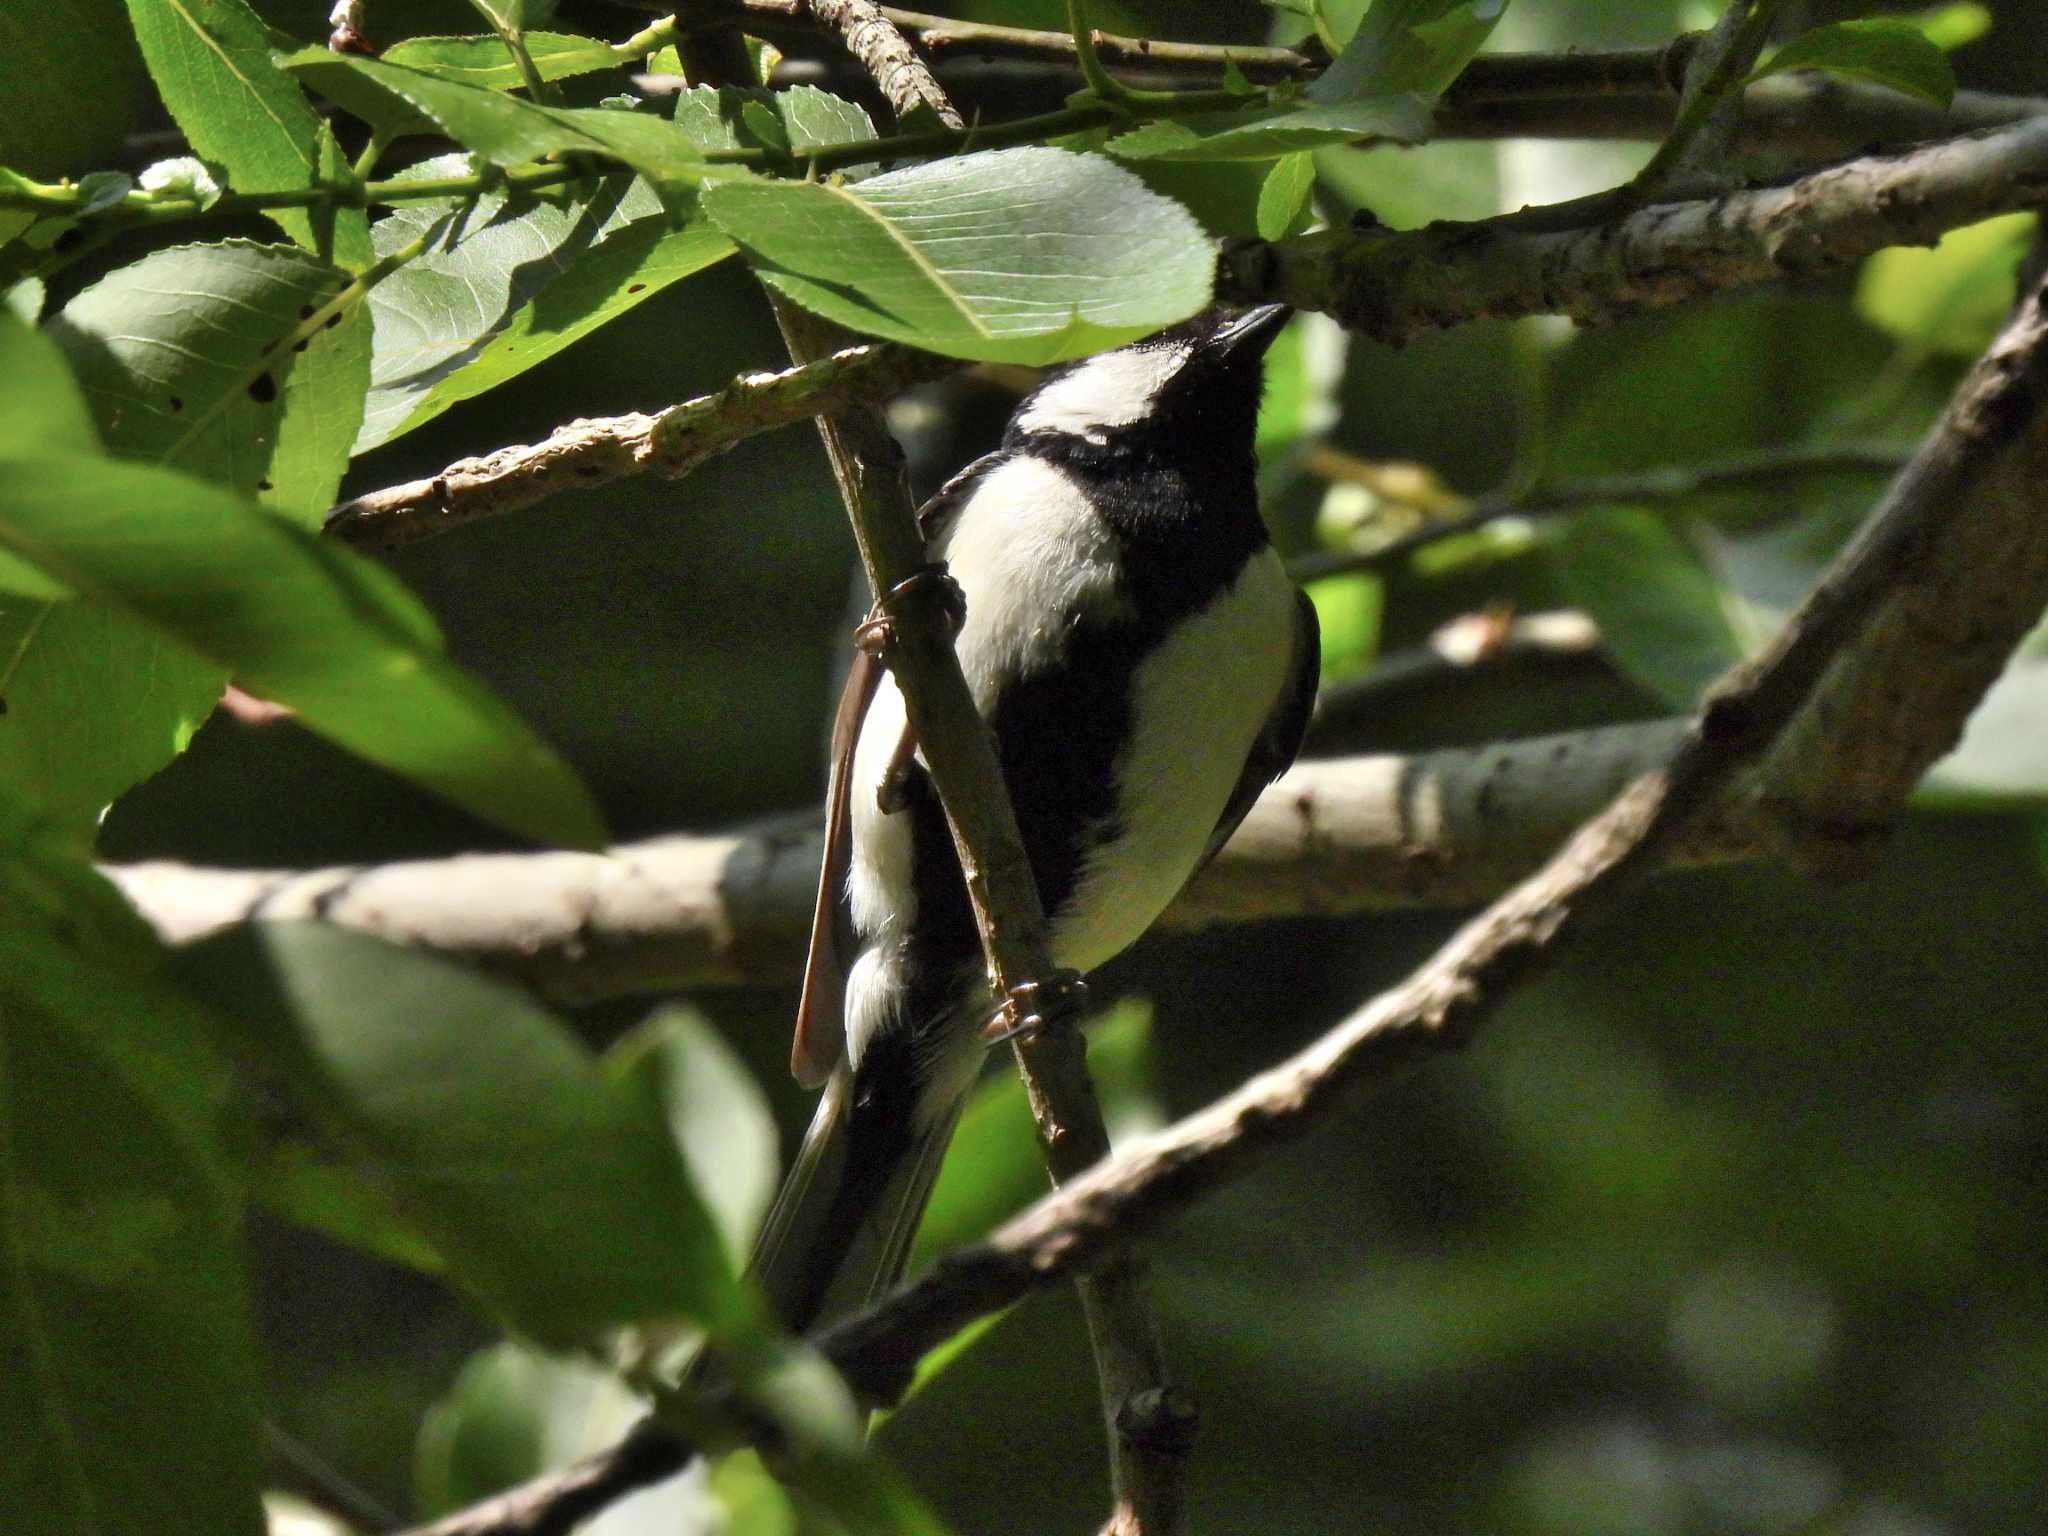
(1202, 699)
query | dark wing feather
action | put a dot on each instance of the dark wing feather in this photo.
(1274, 749)
(821, 1014)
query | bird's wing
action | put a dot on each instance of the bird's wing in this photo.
(1280, 738)
(821, 1014)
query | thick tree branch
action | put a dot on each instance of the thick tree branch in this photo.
(1337, 837)
(1991, 442)
(1392, 285)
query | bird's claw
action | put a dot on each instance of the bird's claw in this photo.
(876, 634)
(1034, 1007)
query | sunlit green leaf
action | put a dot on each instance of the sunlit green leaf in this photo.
(1954, 296)
(299, 620)
(1020, 255)
(506, 129)
(790, 122)
(187, 359)
(1283, 198)
(485, 63)
(508, 283)
(1348, 610)
(1890, 53)
(1950, 27)
(1408, 45)
(717, 1113)
(211, 63)
(513, 1413)
(550, 1187)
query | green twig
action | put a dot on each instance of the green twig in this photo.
(161, 208)
(1712, 87)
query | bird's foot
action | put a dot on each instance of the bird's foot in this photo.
(1035, 1007)
(932, 583)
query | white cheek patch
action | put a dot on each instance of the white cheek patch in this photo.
(1112, 389)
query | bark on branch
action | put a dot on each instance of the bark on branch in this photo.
(1393, 285)
(1337, 837)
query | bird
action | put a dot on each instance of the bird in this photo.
(1146, 666)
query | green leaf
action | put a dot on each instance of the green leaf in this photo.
(550, 1187)
(994, 1169)
(1952, 297)
(1408, 45)
(299, 621)
(296, 1181)
(1889, 53)
(211, 63)
(1950, 27)
(504, 129)
(514, 1413)
(1264, 133)
(185, 361)
(1284, 195)
(1662, 616)
(793, 122)
(511, 283)
(1304, 372)
(717, 1114)
(127, 1356)
(92, 701)
(41, 411)
(1019, 255)
(484, 63)
(73, 83)
(1348, 613)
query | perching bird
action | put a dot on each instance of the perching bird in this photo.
(1148, 669)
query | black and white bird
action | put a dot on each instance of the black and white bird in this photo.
(1147, 668)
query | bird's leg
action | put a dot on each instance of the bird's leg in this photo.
(1054, 1001)
(877, 636)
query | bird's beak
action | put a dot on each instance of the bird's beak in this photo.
(1252, 332)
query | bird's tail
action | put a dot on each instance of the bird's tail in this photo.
(840, 1231)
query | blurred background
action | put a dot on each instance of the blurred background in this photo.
(1726, 1228)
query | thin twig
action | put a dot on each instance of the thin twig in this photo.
(1663, 486)
(589, 453)
(1991, 439)
(906, 84)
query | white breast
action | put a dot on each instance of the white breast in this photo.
(1200, 701)
(1031, 556)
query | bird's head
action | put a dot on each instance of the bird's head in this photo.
(1194, 387)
